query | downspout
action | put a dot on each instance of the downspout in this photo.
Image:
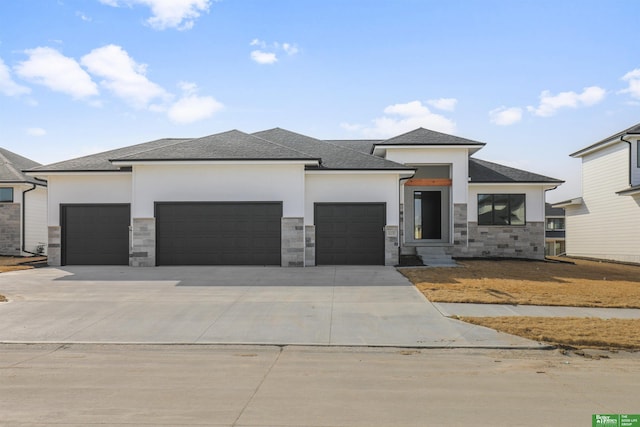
(630, 157)
(24, 227)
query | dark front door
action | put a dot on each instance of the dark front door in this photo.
(427, 208)
(96, 234)
(350, 233)
(218, 233)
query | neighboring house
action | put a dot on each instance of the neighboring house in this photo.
(23, 207)
(280, 198)
(605, 222)
(554, 231)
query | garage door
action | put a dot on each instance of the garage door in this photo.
(350, 233)
(96, 234)
(218, 233)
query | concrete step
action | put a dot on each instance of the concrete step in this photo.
(435, 256)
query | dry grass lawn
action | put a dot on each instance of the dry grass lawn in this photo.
(568, 331)
(583, 284)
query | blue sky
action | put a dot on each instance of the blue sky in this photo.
(535, 80)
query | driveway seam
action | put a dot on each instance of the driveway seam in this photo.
(333, 301)
(225, 311)
(92, 324)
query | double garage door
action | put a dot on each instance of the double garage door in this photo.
(222, 233)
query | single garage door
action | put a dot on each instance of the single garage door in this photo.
(218, 233)
(350, 233)
(96, 234)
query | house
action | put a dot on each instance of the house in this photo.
(554, 231)
(604, 223)
(280, 198)
(23, 204)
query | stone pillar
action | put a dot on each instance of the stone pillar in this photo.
(292, 246)
(143, 243)
(391, 250)
(54, 247)
(310, 245)
(460, 229)
(10, 230)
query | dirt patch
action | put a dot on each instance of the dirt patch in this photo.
(568, 331)
(14, 263)
(578, 284)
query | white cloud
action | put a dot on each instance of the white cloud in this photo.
(179, 14)
(191, 107)
(48, 67)
(504, 116)
(446, 104)
(264, 57)
(83, 16)
(268, 53)
(633, 78)
(550, 104)
(123, 76)
(401, 118)
(36, 132)
(7, 85)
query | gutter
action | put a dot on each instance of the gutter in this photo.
(24, 225)
(630, 161)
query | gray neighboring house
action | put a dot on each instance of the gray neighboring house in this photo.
(23, 207)
(555, 231)
(604, 222)
(277, 197)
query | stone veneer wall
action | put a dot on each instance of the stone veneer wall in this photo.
(54, 246)
(503, 241)
(391, 249)
(10, 229)
(310, 245)
(143, 243)
(293, 242)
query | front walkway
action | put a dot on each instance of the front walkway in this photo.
(328, 306)
(497, 310)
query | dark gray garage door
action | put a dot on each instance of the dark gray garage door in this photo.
(96, 234)
(218, 233)
(350, 233)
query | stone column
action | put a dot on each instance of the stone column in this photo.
(143, 243)
(10, 230)
(292, 246)
(391, 250)
(54, 247)
(310, 245)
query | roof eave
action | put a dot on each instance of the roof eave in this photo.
(132, 162)
(578, 201)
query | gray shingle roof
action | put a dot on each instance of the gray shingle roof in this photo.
(422, 136)
(633, 130)
(481, 171)
(231, 145)
(12, 165)
(333, 156)
(362, 145)
(100, 161)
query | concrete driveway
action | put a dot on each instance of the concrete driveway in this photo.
(350, 306)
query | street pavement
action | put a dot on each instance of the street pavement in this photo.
(259, 386)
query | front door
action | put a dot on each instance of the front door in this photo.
(427, 210)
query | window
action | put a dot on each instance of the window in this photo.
(555, 223)
(6, 195)
(501, 209)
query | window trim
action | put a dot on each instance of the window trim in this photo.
(524, 196)
(12, 195)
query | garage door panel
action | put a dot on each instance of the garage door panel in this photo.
(218, 233)
(95, 234)
(350, 233)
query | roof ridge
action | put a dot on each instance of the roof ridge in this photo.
(150, 149)
(10, 166)
(284, 146)
(360, 153)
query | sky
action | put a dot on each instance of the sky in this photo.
(535, 80)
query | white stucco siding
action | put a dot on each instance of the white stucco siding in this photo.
(218, 182)
(352, 187)
(458, 158)
(606, 225)
(86, 188)
(35, 216)
(534, 199)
